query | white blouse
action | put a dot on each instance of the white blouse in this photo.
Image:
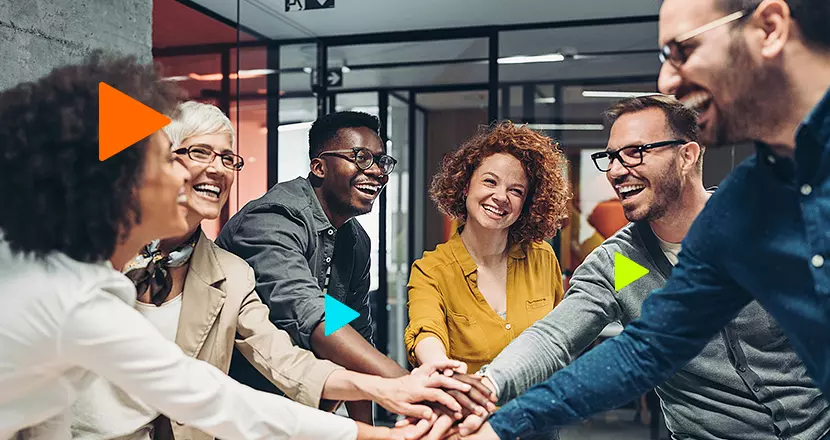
(63, 323)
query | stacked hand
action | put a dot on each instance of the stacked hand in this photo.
(475, 402)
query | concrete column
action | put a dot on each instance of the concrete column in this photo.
(39, 35)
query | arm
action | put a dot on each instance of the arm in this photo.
(676, 323)
(109, 338)
(430, 349)
(272, 240)
(426, 337)
(307, 379)
(297, 372)
(362, 410)
(555, 340)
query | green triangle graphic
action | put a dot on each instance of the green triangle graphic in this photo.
(626, 271)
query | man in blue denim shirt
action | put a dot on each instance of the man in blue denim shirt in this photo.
(755, 71)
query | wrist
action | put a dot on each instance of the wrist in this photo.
(367, 432)
(489, 384)
(374, 387)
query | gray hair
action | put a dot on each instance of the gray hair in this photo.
(194, 118)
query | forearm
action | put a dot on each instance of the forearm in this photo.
(576, 393)
(430, 349)
(347, 348)
(547, 346)
(350, 386)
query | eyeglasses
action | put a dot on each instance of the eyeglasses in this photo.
(364, 159)
(673, 51)
(205, 154)
(629, 157)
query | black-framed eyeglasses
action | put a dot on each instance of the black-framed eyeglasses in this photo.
(364, 159)
(205, 154)
(629, 157)
(675, 53)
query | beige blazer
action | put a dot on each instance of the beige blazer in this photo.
(220, 310)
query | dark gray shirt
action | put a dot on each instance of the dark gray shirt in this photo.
(289, 242)
(747, 383)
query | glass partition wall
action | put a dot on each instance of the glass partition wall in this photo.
(431, 90)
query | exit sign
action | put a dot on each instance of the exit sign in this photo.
(307, 5)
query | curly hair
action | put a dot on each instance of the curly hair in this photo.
(62, 198)
(327, 127)
(545, 208)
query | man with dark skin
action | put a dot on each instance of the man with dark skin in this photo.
(303, 243)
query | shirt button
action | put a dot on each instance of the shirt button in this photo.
(778, 417)
(806, 189)
(328, 259)
(771, 160)
(741, 368)
(508, 326)
(817, 260)
(756, 388)
(331, 232)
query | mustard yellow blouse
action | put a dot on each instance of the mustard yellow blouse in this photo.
(445, 302)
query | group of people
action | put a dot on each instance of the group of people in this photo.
(120, 318)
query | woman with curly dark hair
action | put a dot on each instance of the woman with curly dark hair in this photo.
(472, 295)
(66, 316)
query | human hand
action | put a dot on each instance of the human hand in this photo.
(443, 426)
(477, 399)
(425, 384)
(473, 422)
(484, 433)
(409, 432)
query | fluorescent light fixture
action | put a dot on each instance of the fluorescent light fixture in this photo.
(524, 59)
(546, 100)
(255, 72)
(295, 127)
(575, 127)
(242, 74)
(616, 95)
(177, 78)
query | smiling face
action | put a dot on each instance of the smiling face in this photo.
(162, 195)
(496, 192)
(347, 190)
(648, 190)
(723, 78)
(210, 183)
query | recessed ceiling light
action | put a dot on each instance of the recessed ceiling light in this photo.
(576, 127)
(524, 59)
(614, 94)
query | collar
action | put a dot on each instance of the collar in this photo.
(817, 122)
(812, 139)
(321, 220)
(468, 265)
(204, 263)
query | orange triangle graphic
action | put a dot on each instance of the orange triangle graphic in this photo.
(123, 121)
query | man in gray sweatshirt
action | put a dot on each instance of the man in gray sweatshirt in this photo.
(747, 383)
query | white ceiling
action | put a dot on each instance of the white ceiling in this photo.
(268, 17)
(351, 17)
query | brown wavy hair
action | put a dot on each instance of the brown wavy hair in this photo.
(545, 208)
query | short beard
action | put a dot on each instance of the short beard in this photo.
(761, 102)
(667, 189)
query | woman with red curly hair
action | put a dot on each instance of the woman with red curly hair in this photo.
(496, 276)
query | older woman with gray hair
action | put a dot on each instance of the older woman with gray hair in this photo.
(203, 298)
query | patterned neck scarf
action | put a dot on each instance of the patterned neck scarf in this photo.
(149, 268)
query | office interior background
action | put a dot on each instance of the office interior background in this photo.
(433, 71)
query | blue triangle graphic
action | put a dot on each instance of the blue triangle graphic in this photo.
(337, 315)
